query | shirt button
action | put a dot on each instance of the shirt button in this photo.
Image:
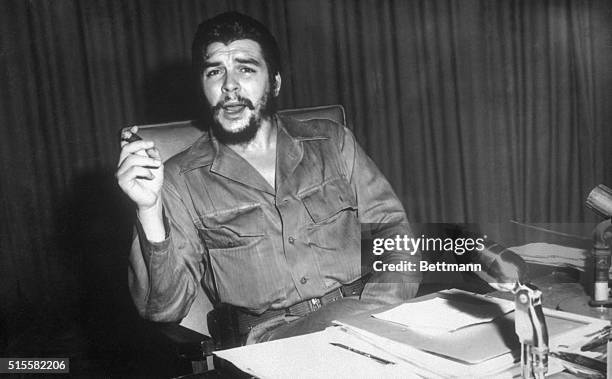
(291, 240)
(304, 280)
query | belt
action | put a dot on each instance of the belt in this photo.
(247, 321)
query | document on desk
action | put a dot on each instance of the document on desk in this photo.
(314, 356)
(440, 315)
(423, 332)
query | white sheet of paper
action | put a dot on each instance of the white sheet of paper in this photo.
(312, 356)
(437, 315)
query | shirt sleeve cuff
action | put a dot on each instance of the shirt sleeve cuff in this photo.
(149, 247)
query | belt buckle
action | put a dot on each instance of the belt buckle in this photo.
(315, 304)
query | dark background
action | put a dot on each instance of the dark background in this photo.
(476, 110)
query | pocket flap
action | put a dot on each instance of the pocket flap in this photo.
(245, 220)
(328, 199)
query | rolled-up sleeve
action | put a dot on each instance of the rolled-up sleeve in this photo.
(379, 206)
(163, 276)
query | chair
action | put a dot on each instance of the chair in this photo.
(170, 139)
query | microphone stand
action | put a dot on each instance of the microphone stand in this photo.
(602, 235)
(600, 201)
(503, 266)
(530, 327)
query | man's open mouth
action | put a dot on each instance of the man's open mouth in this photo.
(234, 108)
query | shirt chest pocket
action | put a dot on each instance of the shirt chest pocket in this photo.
(328, 200)
(235, 227)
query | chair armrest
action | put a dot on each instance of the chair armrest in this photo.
(187, 343)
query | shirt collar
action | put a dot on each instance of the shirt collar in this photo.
(208, 151)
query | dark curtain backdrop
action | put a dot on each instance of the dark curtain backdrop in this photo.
(476, 110)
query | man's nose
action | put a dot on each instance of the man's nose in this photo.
(230, 84)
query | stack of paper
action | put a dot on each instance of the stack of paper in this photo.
(313, 356)
(553, 255)
(436, 365)
(481, 349)
(438, 315)
(476, 332)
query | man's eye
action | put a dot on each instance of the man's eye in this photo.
(212, 73)
(247, 70)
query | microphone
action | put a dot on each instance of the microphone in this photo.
(501, 268)
(501, 265)
(600, 201)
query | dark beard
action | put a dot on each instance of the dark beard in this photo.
(248, 133)
(242, 136)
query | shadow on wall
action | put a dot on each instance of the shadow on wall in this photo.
(107, 335)
(94, 233)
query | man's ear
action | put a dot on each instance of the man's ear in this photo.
(276, 85)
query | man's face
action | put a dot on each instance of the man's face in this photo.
(237, 86)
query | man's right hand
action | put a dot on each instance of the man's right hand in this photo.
(140, 171)
(140, 175)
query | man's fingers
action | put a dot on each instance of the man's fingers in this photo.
(138, 160)
(154, 153)
(138, 147)
(135, 172)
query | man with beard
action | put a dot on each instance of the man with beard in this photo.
(263, 211)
